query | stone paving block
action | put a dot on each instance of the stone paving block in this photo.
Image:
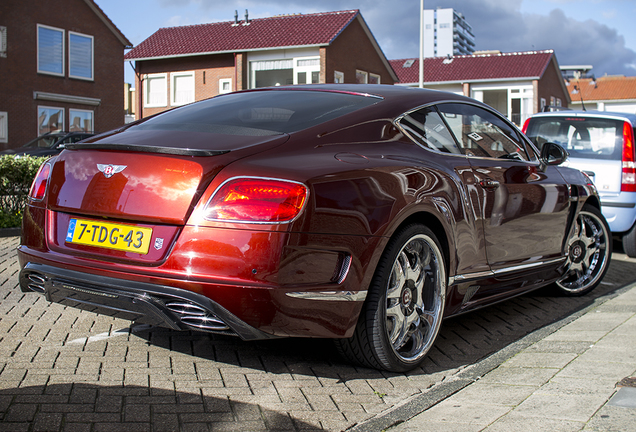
(591, 336)
(494, 394)
(46, 422)
(451, 411)
(520, 376)
(577, 386)
(20, 412)
(515, 422)
(118, 427)
(574, 408)
(539, 360)
(596, 370)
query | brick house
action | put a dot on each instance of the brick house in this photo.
(61, 68)
(179, 65)
(615, 93)
(516, 84)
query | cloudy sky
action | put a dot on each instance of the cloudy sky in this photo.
(581, 32)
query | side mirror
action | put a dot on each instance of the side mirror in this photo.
(553, 154)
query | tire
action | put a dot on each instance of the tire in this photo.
(589, 250)
(403, 311)
(629, 242)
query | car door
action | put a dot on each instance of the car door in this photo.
(524, 206)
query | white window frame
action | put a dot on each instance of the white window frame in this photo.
(173, 87)
(338, 77)
(71, 111)
(62, 46)
(3, 41)
(308, 69)
(4, 127)
(60, 126)
(164, 99)
(70, 56)
(363, 74)
(375, 77)
(222, 83)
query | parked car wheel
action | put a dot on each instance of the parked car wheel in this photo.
(405, 304)
(629, 242)
(589, 251)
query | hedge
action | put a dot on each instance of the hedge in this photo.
(16, 175)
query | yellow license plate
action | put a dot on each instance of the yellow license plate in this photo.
(109, 235)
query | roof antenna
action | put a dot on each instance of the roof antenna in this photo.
(247, 21)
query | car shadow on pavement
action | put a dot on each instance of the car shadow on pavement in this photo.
(81, 406)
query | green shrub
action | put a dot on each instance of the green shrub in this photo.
(16, 176)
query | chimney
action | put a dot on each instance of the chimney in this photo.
(247, 21)
(236, 21)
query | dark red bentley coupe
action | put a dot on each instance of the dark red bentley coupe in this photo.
(361, 213)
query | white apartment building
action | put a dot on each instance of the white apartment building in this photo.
(446, 33)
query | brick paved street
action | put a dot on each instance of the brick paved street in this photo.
(66, 370)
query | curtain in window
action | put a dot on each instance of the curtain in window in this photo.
(50, 50)
(80, 56)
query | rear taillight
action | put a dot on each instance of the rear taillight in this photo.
(628, 181)
(256, 200)
(38, 188)
(524, 129)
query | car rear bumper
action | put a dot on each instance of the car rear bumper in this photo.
(162, 306)
(619, 211)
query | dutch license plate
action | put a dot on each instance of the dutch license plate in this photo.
(109, 235)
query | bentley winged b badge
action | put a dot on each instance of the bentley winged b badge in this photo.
(110, 170)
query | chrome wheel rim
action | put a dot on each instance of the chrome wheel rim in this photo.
(587, 253)
(415, 298)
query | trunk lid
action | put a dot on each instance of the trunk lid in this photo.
(131, 176)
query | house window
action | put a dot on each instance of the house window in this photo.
(50, 50)
(80, 56)
(182, 89)
(4, 127)
(338, 77)
(362, 77)
(156, 91)
(268, 73)
(374, 79)
(50, 119)
(543, 103)
(225, 85)
(307, 71)
(3, 41)
(80, 120)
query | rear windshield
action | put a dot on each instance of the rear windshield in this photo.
(590, 138)
(260, 113)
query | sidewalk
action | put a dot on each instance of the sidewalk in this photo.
(564, 380)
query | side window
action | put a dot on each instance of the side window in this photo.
(481, 133)
(426, 127)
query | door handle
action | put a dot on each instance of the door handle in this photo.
(489, 184)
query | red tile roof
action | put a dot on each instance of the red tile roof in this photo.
(284, 31)
(607, 88)
(480, 67)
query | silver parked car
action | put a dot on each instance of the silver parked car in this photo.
(601, 144)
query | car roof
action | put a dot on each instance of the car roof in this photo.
(413, 96)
